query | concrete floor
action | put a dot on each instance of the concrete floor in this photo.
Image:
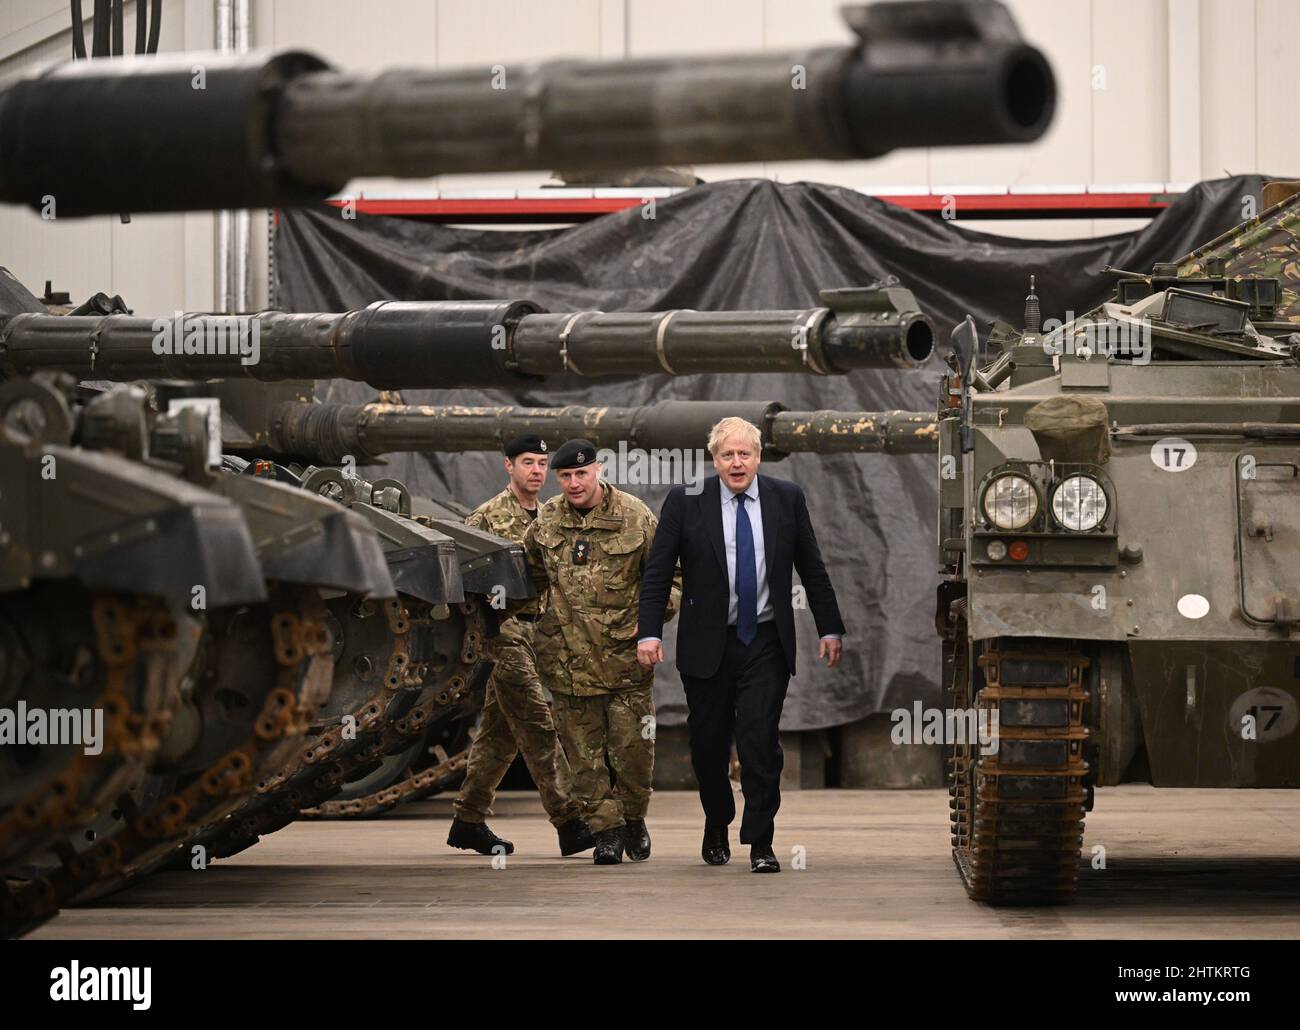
(1189, 863)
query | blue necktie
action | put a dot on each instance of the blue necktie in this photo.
(746, 576)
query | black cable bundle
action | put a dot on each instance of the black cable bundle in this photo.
(108, 38)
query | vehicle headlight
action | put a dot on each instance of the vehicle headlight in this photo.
(1010, 502)
(1079, 504)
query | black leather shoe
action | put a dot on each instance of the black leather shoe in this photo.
(609, 847)
(575, 836)
(715, 850)
(762, 860)
(477, 837)
(637, 838)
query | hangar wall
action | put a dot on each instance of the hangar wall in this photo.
(1214, 101)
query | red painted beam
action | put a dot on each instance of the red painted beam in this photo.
(1032, 203)
(563, 208)
(577, 209)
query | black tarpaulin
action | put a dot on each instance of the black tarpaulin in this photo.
(750, 244)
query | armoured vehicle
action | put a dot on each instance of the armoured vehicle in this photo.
(206, 694)
(1119, 534)
(102, 560)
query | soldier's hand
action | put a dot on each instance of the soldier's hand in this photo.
(650, 653)
(830, 650)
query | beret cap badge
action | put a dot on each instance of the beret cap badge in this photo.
(574, 454)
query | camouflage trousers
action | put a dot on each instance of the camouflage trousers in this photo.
(516, 718)
(618, 729)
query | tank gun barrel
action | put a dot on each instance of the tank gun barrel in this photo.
(453, 344)
(325, 433)
(202, 131)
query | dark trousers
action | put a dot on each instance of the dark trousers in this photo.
(743, 697)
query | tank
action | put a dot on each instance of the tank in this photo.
(1121, 552)
(270, 130)
(103, 563)
(232, 652)
(441, 651)
(334, 678)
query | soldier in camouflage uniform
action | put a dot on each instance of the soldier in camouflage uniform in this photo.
(515, 715)
(586, 549)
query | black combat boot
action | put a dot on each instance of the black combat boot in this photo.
(477, 837)
(609, 847)
(638, 840)
(575, 836)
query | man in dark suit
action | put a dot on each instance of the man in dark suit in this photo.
(739, 542)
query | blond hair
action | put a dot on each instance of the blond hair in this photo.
(733, 426)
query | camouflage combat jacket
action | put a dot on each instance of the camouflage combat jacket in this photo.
(505, 516)
(590, 569)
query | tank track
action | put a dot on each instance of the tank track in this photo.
(440, 775)
(328, 763)
(135, 671)
(437, 763)
(261, 735)
(1017, 814)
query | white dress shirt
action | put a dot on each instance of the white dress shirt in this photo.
(755, 513)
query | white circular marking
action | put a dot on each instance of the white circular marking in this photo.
(1193, 606)
(1173, 454)
(1275, 712)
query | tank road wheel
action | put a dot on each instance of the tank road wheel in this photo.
(1018, 813)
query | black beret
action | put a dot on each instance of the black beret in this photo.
(574, 455)
(530, 443)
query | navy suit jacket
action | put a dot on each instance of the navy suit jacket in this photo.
(690, 532)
